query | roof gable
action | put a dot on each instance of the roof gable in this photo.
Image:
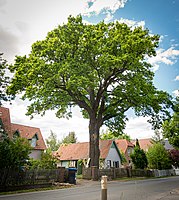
(144, 143)
(123, 144)
(29, 132)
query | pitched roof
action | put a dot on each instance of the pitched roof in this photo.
(24, 131)
(144, 143)
(81, 150)
(123, 144)
(29, 132)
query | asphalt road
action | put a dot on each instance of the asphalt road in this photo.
(150, 189)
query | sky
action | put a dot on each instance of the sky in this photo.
(23, 22)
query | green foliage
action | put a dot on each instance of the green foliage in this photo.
(14, 153)
(157, 137)
(158, 157)
(174, 156)
(108, 135)
(47, 161)
(123, 158)
(52, 142)
(101, 68)
(171, 127)
(70, 138)
(4, 80)
(138, 157)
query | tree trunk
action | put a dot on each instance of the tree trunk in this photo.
(94, 152)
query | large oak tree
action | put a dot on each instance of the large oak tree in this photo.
(101, 68)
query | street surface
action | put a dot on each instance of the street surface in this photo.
(150, 189)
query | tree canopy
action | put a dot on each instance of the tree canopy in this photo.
(158, 157)
(139, 158)
(101, 68)
(108, 135)
(70, 138)
(52, 142)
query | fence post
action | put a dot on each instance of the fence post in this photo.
(104, 188)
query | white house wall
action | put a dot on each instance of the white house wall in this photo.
(113, 156)
(35, 154)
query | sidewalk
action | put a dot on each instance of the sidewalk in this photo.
(173, 195)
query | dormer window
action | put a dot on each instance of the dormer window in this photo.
(34, 140)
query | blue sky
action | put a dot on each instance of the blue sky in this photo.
(160, 17)
(22, 22)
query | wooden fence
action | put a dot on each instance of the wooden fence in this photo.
(13, 179)
(114, 173)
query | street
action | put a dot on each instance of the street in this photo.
(150, 189)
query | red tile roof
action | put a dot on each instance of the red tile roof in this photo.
(123, 144)
(28, 132)
(81, 150)
(25, 131)
(144, 143)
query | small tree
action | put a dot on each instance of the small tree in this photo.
(70, 138)
(157, 137)
(174, 156)
(14, 153)
(158, 157)
(47, 161)
(138, 157)
(52, 142)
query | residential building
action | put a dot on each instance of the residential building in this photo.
(144, 143)
(127, 148)
(32, 134)
(69, 154)
(147, 142)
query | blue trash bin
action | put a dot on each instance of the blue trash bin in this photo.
(72, 175)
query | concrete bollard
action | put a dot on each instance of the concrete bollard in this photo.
(104, 188)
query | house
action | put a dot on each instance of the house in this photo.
(32, 134)
(127, 148)
(69, 154)
(144, 143)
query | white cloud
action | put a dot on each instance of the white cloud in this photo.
(107, 7)
(176, 93)
(177, 78)
(109, 17)
(99, 6)
(132, 23)
(138, 127)
(168, 57)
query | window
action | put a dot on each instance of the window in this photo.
(108, 163)
(129, 151)
(33, 142)
(116, 164)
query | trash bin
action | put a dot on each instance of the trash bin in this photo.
(72, 175)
